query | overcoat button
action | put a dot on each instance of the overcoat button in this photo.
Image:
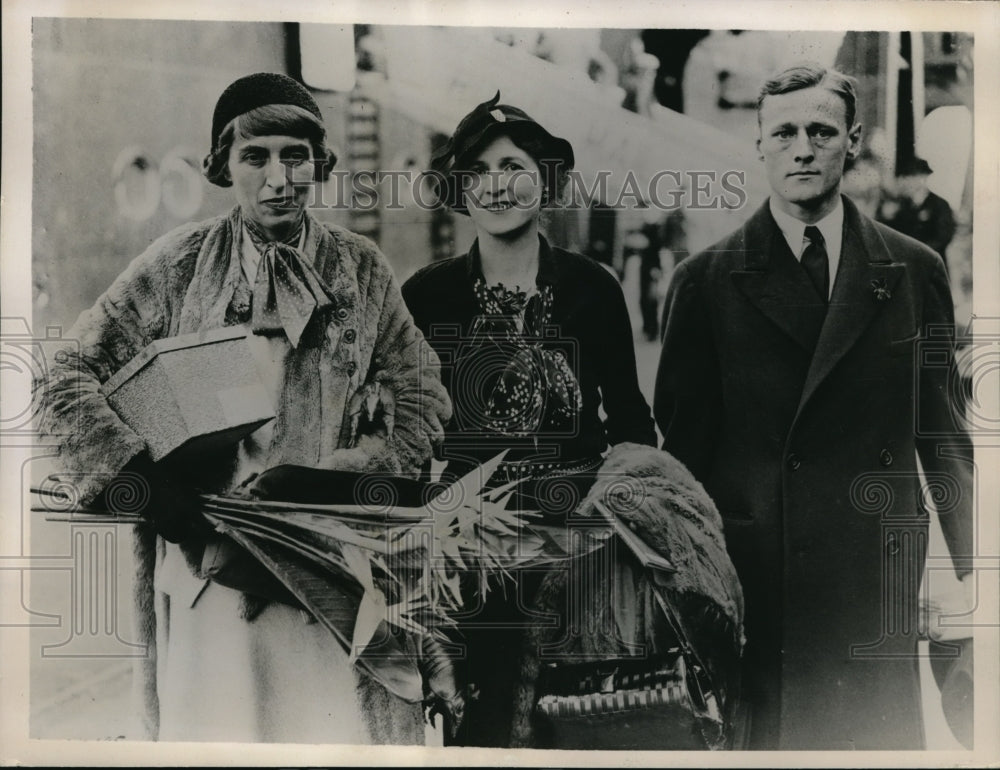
(885, 457)
(794, 462)
(350, 335)
(342, 314)
(352, 367)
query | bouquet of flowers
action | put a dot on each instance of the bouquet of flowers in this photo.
(405, 544)
(380, 566)
(383, 562)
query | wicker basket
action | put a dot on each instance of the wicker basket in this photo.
(621, 705)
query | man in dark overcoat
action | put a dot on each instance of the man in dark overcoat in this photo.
(806, 363)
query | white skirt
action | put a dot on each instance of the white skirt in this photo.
(279, 678)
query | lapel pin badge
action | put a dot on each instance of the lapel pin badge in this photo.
(880, 290)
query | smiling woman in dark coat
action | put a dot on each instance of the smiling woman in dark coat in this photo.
(535, 340)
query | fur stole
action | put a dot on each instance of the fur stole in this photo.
(612, 596)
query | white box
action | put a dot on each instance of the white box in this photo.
(192, 393)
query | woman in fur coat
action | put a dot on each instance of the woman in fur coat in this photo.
(328, 325)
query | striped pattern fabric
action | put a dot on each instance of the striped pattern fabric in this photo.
(665, 694)
(609, 692)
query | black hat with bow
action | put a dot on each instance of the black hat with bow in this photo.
(482, 125)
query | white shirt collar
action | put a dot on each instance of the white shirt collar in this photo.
(831, 226)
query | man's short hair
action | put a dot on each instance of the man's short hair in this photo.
(810, 75)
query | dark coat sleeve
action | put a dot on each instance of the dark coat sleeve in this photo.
(688, 395)
(420, 297)
(942, 225)
(628, 415)
(429, 291)
(943, 442)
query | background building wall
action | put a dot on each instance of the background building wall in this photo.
(100, 89)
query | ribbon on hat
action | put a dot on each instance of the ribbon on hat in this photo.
(482, 113)
(287, 290)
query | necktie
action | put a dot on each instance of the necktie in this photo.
(816, 263)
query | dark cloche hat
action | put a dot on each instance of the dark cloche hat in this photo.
(257, 90)
(484, 123)
(913, 167)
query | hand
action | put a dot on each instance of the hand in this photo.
(172, 507)
(947, 616)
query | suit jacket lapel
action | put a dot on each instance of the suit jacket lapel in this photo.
(775, 283)
(866, 278)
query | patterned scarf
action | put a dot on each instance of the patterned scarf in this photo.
(287, 290)
(537, 386)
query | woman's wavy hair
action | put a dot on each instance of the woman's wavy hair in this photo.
(269, 120)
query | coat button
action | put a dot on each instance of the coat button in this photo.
(342, 314)
(352, 368)
(350, 335)
(885, 457)
(794, 462)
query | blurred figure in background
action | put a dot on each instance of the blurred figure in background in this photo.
(643, 243)
(673, 250)
(918, 212)
(672, 47)
(659, 243)
(580, 50)
(639, 78)
(601, 238)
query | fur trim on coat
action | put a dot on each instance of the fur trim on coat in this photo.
(190, 280)
(660, 501)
